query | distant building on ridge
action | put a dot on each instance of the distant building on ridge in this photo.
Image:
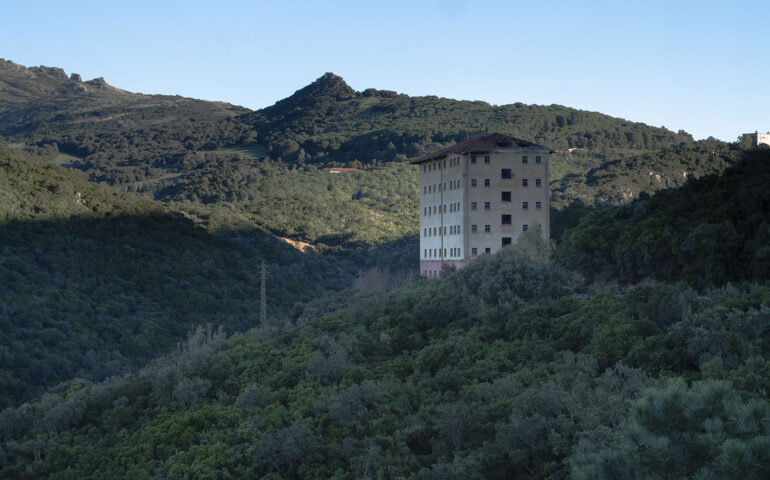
(758, 139)
(478, 196)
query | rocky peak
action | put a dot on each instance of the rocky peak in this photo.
(54, 72)
(98, 84)
(328, 85)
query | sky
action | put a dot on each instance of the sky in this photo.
(698, 66)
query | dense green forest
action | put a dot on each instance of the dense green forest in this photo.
(178, 149)
(711, 231)
(349, 209)
(208, 152)
(94, 282)
(129, 304)
(501, 370)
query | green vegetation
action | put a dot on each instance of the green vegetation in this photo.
(496, 371)
(711, 231)
(94, 282)
(177, 148)
(618, 179)
(509, 368)
(350, 209)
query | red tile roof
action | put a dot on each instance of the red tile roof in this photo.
(481, 144)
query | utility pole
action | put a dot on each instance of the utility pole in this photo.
(262, 298)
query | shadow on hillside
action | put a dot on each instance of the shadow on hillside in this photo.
(94, 297)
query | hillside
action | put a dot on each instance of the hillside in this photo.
(497, 371)
(328, 121)
(131, 345)
(711, 231)
(94, 282)
(113, 135)
(173, 148)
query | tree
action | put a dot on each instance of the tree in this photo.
(705, 431)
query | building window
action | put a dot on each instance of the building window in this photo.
(444, 230)
(434, 231)
(505, 174)
(524, 159)
(425, 253)
(505, 197)
(487, 228)
(474, 251)
(537, 160)
(524, 228)
(525, 205)
(473, 159)
(486, 182)
(506, 241)
(487, 250)
(486, 159)
(506, 220)
(473, 182)
(473, 229)
(445, 252)
(524, 182)
(487, 206)
(434, 209)
(473, 205)
(538, 183)
(538, 205)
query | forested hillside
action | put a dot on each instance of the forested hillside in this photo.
(501, 370)
(131, 345)
(115, 136)
(175, 148)
(711, 231)
(328, 121)
(94, 282)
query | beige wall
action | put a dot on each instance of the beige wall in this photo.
(457, 173)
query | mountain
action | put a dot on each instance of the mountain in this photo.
(513, 367)
(178, 149)
(114, 135)
(329, 122)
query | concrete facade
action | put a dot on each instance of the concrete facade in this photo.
(478, 196)
(758, 139)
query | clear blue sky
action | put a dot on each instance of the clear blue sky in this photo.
(700, 66)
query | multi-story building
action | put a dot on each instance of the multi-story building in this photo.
(477, 196)
(758, 139)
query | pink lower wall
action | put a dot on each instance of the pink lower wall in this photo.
(432, 268)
